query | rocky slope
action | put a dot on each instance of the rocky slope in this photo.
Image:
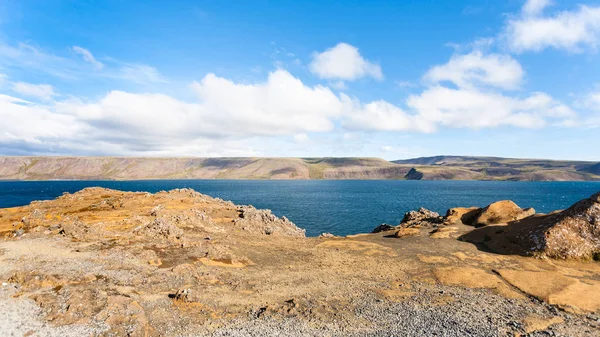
(179, 263)
(434, 168)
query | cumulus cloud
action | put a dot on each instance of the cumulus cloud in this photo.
(383, 116)
(572, 30)
(471, 108)
(479, 98)
(535, 7)
(343, 62)
(88, 57)
(41, 91)
(281, 105)
(231, 118)
(476, 69)
(127, 123)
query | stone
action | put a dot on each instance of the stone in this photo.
(421, 218)
(404, 232)
(326, 235)
(466, 215)
(502, 212)
(383, 228)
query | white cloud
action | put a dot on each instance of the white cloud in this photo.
(31, 59)
(343, 62)
(281, 105)
(383, 116)
(569, 30)
(476, 69)
(29, 122)
(301, 138)
(126, 123)
(88, 57)
(535, 7)
(41, 91)
(230, 118)
(478, 99)
(470, 108)
(139, 73)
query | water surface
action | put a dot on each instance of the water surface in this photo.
(337, 206)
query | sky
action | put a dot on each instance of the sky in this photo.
(390, 79)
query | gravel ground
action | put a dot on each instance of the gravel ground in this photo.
(473, 313)
(22, 317)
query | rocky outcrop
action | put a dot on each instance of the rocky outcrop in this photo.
(414, 174)
(501, 212)
(263, 221)
(421, 218)
(570, 234)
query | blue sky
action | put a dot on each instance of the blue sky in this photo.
(391, 79)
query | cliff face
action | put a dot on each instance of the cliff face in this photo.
(435, 168)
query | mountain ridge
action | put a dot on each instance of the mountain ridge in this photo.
(424, 168)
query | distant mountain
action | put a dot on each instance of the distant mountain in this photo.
(429, 168)
(593, 169)
(496, 168)
(123, 168)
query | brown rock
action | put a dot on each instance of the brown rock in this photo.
(403, 232)
(502, 212)
(466, 215)
(572, 233)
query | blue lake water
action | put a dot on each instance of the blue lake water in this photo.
(340, 207)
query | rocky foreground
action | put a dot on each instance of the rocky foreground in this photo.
(179, 263)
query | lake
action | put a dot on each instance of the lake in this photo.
(340, 207)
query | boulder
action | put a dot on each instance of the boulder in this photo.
(570, 234)
(466, 215)
(502, 212)
(383, 228)
(421, 218)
